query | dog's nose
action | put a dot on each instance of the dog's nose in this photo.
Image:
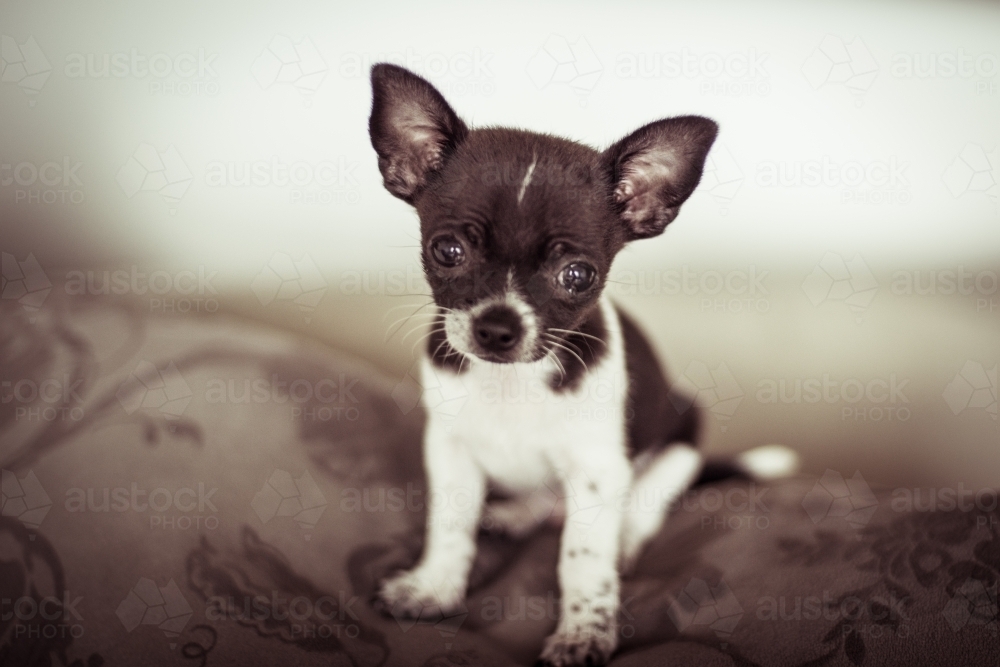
(498, 329)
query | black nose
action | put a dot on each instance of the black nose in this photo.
(498, 329)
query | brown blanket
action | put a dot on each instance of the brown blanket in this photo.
(205, 492)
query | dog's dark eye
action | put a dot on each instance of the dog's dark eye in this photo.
(577, 277)
(448, 252)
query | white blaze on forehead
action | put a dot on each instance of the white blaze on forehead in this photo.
(527, 179)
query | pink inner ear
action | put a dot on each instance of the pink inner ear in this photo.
(646, 175)
(421, 144)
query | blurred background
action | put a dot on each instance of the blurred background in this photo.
(831, 285)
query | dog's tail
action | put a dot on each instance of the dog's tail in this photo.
(760, 463)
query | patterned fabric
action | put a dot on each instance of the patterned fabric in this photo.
(205, 492)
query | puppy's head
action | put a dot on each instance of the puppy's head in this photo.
(518, 230)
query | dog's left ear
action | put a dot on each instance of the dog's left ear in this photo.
(655, 169)
(412, 129)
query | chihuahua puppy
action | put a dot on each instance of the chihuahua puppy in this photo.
(567, 412)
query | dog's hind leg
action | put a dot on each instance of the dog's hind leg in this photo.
(658, 483)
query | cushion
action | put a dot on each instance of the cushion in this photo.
(199, 491)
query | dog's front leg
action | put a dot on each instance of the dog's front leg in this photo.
(456, 490)
(588, 575)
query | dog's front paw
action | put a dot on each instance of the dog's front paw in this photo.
(418, 594)
(585, 647)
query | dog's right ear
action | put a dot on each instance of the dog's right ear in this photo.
(412, 129)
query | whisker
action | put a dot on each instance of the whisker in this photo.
(555, 358)
(403, 305)
(390, 332)
(423, 338)
(578, 333)
(416, 329)
(578, 357)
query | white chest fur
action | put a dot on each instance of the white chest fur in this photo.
(518, 429)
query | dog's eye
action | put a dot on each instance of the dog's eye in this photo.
(448, 252)
(577, 277)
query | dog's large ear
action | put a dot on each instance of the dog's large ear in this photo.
(412, 129)
(655, 169)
